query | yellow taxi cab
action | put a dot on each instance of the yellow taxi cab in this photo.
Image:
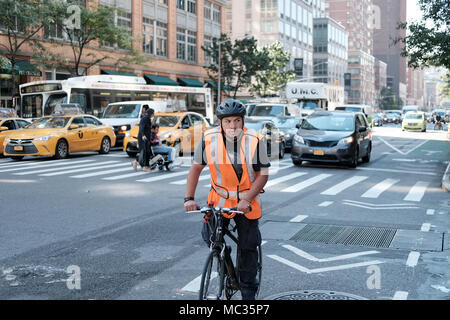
(181, 130)
(60, 135)
(8, 126)
(414, 120)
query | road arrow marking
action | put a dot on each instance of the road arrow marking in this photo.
(319, 270)
(310, 257)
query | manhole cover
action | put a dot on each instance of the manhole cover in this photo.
(314, 295)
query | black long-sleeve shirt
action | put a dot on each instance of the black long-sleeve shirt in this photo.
(145, 127)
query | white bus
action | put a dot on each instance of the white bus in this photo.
(94, 93)
(314, 95)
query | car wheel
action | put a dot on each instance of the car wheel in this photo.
(105, 146)
(355, 158)
(62, 150)
(366, 158)
(282, 150)
(132, 154)
(177, 146)
(298, 163)
(17, 158)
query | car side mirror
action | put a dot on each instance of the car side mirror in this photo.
(185, 126)
(297, 125)
(362, 129)
(4, 128)
(73, 126)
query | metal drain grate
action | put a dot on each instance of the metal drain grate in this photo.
(351, 236)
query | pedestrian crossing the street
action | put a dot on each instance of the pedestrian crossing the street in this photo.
(284, 177)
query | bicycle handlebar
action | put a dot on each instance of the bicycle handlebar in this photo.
(226, 212)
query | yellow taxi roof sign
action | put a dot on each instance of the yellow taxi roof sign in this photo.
(66, 109)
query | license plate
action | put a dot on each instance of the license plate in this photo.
(319, 152)
(18, 148)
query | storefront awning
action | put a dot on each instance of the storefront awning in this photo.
(190, 82)
(117, 73)
(160, 80)
(22, 68)
(213, 85)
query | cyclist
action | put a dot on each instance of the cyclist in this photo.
(438, 120)
(239, 168)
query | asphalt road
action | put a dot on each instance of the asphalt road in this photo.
(127, 235)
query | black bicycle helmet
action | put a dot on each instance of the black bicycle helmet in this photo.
(230, 108)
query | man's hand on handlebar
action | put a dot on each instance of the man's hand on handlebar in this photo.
(244, 206)
(191, 205)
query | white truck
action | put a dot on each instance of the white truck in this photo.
(310, 96)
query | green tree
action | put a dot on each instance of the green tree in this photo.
(426, 42)
(84, 27)
(389, 100)
(240, 62)
(272, 78)
(22, 21)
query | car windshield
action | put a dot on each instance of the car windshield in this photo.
(391, 115)
(49, 123)
(309, 105)
(285, 123)
(253, 125)
(328, 123)
(414, 116)
(166, 121)
(352, 109)
(268, 110)
(122, 111)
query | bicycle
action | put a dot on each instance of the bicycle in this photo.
(438, 125)
(220, 277)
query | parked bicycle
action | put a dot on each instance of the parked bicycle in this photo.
(220, 277)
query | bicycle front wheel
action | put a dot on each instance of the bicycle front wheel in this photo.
(212, 282)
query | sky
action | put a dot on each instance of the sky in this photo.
(412, 10)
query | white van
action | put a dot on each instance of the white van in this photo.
(126, 114)
(367, 110)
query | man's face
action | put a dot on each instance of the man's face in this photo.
(232, 126)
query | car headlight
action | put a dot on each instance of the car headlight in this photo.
(299, 139)
(165, 135)
(345, 140)
(44, 138)
(123, 128)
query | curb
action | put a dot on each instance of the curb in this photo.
(446, 179)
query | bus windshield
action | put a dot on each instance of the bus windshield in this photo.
(309, 105)
(49, 123)
(122, 111)
(52, 101)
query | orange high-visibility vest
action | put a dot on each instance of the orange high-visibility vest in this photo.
(226, 189)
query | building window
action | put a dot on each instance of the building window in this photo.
(192, 6)
(161, 39)
(181, 4)
(181, 44)
(192, 46)
(207, 10)
(163, 2)
(155, 37)
(216, 13)
(149, 35)
(55, 31)
(207, 44)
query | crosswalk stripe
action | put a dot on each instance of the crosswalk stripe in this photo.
(69, 167)
(343, 185)
(273, 182)
(163, 176)
(417, 192)
(30, 163)
(101, 173)
(307, 183)
(379, 188)
(58, 173)
(125, 176)
(55, 164)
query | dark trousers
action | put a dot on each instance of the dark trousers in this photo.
(145, 153)
(249, 238)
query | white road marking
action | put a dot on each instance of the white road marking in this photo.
(326, 203)
(58, 173)
(13, 164)
(441, 288)
(430, 212)
(310, 257)
(344, 185)
(379, 188)
(319, 270)
(100, 173)
(417, 192)
(163, 176)
(273, 182)
(128, 175)
(194, 285)
(377, 208)
(400, 295)
(45, 165)
(399, 151)
(69, 167)
(298, 218)
(307, 183)
(425, 227)
(413, 259)
(396, 171)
